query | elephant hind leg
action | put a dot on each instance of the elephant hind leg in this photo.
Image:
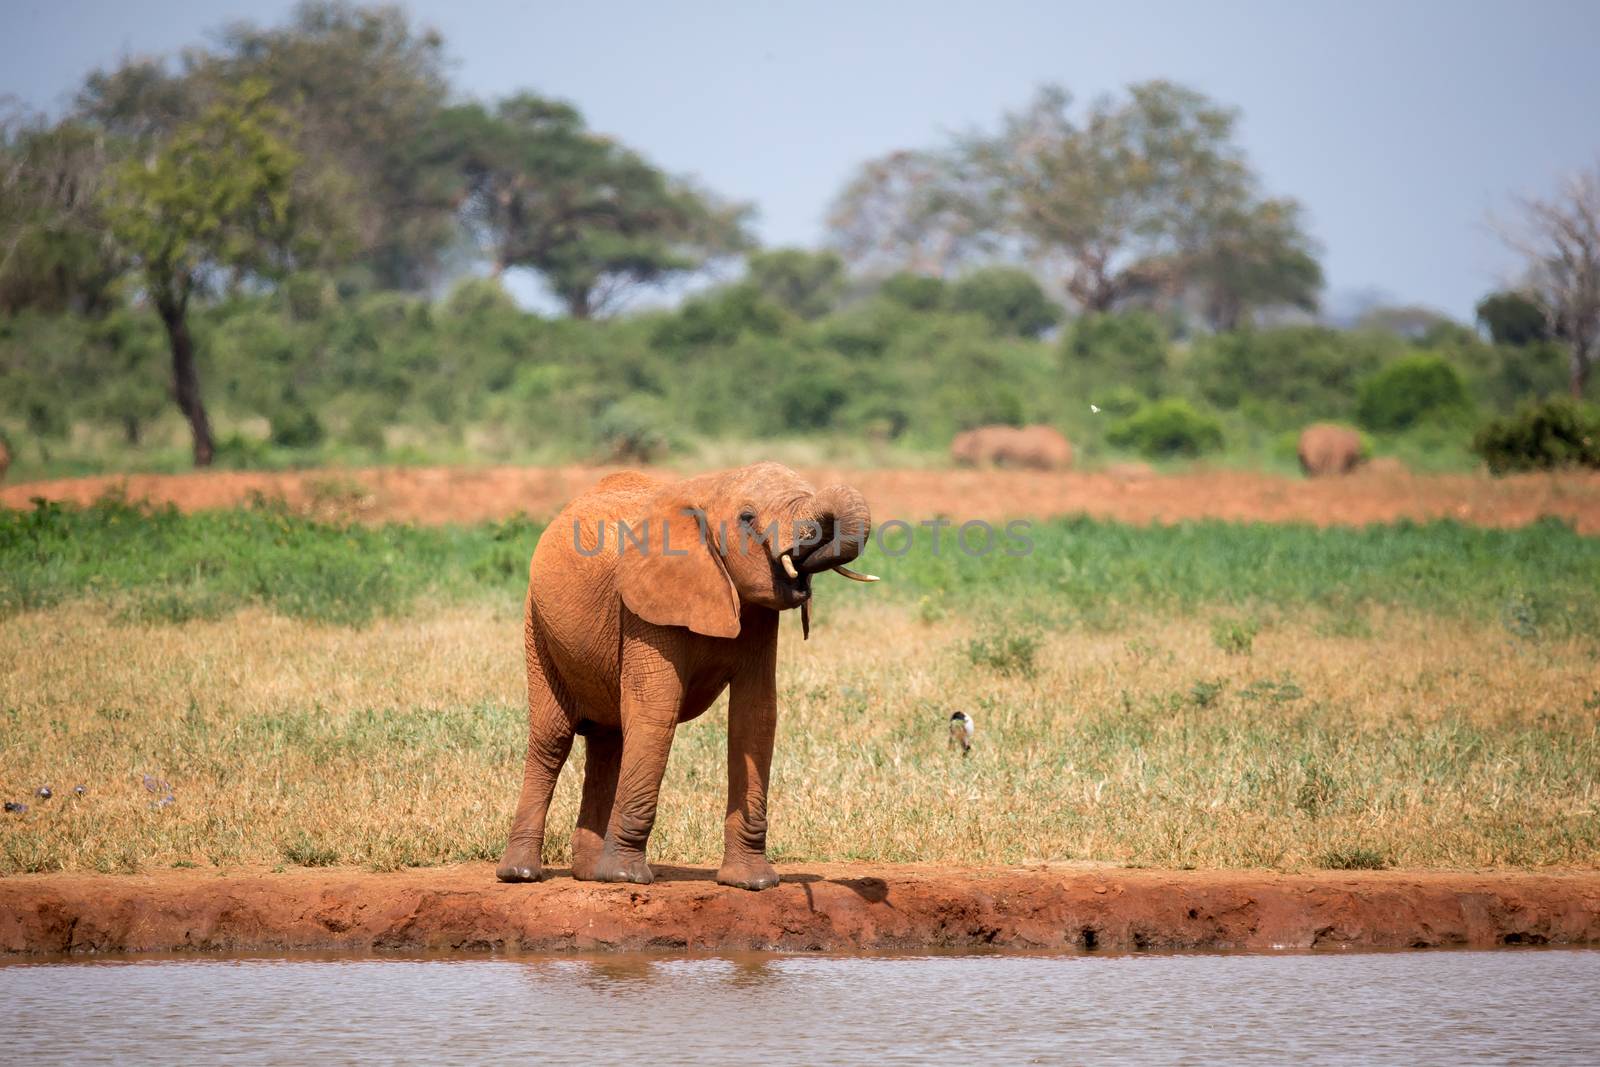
(550, 732)
(602, 761)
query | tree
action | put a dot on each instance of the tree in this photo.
(1513, 318)
(592, 217)
(912, 211)
(1142, 200)
(364, 90)
(55, 252)
(1011, 299)
(1559, 240)
(1413, 322)
(1251, 257)
(807, 283)
(217, 197)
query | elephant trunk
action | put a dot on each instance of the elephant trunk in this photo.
(843, 523)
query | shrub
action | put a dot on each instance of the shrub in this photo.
(1006, 651)
(1118, 401)
(808, 284)
(1409, 391)
(915, 291)
(1234, 636)
(1560, 432)
(1288, 376)
(721, 317)
(1131, 348)
(632, 431)
(1010, 299)
(1167, 428)
(296, 426)
(475, 297)
(308, 295)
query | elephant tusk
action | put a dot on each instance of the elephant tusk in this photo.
(856, 576)
(788, 567)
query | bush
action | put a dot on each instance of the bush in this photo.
(1555, 433)
(1409, 391)
(1006, 651)
(632, 431)
(808, 284)
(1287, 377)
(1236, 637)
(1131, 349)
(308, 295)
(1009, 298)
(295, 424)
(1167, 428)
(721, 317)
(474, 297)
(915, 291)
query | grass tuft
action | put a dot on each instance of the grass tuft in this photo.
(1353, 858)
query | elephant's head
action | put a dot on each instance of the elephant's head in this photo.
(755, 535)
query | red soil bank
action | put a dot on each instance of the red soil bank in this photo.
(457, 494)
(818, 907)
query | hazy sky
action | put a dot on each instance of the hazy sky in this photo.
(1399, 125)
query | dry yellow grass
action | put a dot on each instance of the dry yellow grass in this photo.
(1427, 743)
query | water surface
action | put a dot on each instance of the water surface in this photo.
(1413, 1008)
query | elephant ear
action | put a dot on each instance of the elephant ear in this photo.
(676, 578)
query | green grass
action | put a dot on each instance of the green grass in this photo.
(157, 565)
(1535, 581)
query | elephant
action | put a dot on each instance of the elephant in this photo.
(1031, 447)
(646, 599)
(1327, 449)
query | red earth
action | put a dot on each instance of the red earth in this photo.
(466, 494)
(818, 907)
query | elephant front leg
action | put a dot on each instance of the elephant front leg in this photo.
(752, 723)
(645, 744)
(651, 697)
(550, 733)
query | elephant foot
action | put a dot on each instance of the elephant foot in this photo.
(518, 865)
(586, 849)
(751, 873)
(619, 867)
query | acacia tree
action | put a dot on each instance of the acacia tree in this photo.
(914, 211)
(55, 252)
(217, 197)
(589, 215)
(1143, 199)
(363, 88)
(1559, 240)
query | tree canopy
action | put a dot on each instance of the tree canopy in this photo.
(1144, 200)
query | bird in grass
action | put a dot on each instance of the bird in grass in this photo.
(961, 732)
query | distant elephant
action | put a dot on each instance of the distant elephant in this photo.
(1327, 449)
(1030, 447)
(646, 599)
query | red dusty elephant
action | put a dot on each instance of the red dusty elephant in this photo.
(646, 599)
(1027, 447)
(1328, 449)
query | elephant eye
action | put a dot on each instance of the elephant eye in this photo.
(747, 516)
